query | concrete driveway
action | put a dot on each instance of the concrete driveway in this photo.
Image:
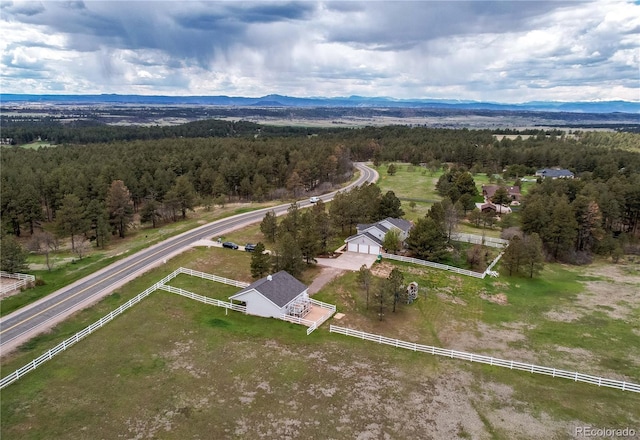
(348, 261)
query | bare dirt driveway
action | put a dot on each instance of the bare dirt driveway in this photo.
(348, 261)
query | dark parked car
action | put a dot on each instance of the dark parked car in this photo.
(250, 247)
(230, 245)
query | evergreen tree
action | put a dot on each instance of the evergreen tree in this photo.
(392, 169)
(150, 212)
(560, 235)
(98, 218)
(119, 207)
(269, 226)
(309, 237)
(287, 255)
(533, 255)
(291, 223)
(260, 261)
(389, 206)
(501, 196)
(182, 195)
(13, 258)
(427, 240)
(513, 255)
(71, 218)
(395, 282)
(365, 278)
(322, 225)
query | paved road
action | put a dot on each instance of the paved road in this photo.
(40, 316)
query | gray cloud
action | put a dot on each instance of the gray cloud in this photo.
(406, 49)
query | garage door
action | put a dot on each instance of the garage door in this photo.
(374, 250)
(352, 247)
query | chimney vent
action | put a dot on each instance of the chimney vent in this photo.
(269, 277)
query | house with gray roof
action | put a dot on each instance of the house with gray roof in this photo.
(554, 173)
(275, 295)
(370, 237)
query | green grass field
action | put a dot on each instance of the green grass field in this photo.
(190, 370)
(37, 144)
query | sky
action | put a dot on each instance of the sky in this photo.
(498, 51)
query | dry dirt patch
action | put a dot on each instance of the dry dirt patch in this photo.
(616, 295)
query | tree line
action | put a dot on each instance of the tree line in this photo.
(164, 178)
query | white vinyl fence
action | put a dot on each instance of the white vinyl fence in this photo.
(208, 276)
(204, 299)
(9, 379)
(160, 285)
(457, 270)
(5, 381)
(479, 239)
(22, 279)
(513, 365)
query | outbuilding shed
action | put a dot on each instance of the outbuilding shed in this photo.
(275, 295)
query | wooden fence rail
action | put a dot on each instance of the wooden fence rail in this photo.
(513, 365)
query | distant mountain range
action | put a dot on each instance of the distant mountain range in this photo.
(276, 101)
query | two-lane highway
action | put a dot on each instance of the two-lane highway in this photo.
(40, 316)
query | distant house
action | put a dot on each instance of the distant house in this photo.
(370, 237)
(275, 295)
(555, 173)
(493, 207)
(488, 191)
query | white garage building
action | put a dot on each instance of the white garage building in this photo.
(369, 238)
(275, 295)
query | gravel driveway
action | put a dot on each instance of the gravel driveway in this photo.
(348, 261)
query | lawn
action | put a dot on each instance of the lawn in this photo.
(190, 370)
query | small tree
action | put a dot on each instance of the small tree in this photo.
(476, 256)
(384, 294)
(260, 261)
(392, 242)
(44, 242)
(513, 255)
(395, 281)
(13, 258)
(365, 278)
(533, 255)
(392, 169)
